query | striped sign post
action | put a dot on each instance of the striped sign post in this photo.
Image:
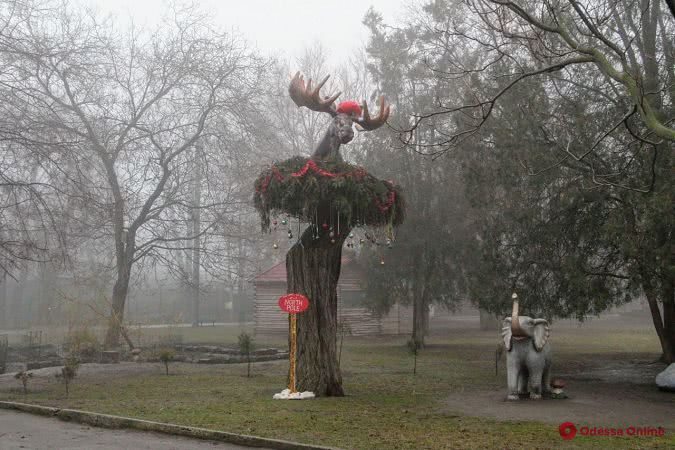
(293, 304)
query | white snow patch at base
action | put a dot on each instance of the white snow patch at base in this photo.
(287, 395)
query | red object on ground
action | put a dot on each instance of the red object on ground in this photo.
(350, 107)
(557, 384)
(293, 303)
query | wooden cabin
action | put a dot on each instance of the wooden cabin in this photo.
(271, 284)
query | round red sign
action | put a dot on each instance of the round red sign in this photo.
(293, 303)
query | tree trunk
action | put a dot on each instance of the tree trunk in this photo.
(420, 319)
(663, 324)
(669, 322)
(4, 317)
(120, 290)
(313, 269)
(196, 229)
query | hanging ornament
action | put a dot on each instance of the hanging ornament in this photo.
(361, 241)
(332, 241)
(331, 234)
(290, 234)
(351, 235)
(381, 261)
(324, 226)
(276, 246)
(389, 244)
(274, 222)
(284, 221)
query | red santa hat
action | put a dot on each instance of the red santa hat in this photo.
(349, 107)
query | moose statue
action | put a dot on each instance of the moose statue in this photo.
(344, 116)
(528, 357)
(333, 197)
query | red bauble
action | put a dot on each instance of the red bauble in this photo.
(324, 226)
(349, 107)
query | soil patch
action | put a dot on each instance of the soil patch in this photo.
(93, 371)
(604, 393)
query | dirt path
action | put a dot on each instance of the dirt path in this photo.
(610, 394)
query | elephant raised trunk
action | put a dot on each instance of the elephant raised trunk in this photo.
(516, 330)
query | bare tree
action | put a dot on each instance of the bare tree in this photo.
(130, 108)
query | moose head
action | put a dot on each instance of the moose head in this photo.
(340, 130)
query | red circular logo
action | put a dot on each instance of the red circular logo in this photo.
(293, 303)
(567, 430)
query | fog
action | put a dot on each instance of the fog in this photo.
(133, 133)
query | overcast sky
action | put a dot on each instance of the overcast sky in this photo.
(279, 27)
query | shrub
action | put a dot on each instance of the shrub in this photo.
(166, 355)
(83, 343)
(245, 342)
(69, 371)
(24, 376)
(414, 346)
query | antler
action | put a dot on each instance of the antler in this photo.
(306, 96)
(368, 123)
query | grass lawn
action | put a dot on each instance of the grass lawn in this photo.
(386, 406)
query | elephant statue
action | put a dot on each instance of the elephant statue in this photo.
(528, 354)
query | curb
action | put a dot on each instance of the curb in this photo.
(109, 421)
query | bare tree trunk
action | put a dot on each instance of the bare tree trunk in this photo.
(416, 322)
(313, 269)
(120, 290)
(18, 314)
(4, 318)
(426, 311)
(663, 324)
(669, 323)
(196, 227)
(420, 319)
(240, 302)
(47, 279)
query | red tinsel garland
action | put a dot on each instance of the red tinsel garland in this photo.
(390, 201)
(312, 165)
(358, 173)
(276, 174)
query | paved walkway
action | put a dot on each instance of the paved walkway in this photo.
(27, 431)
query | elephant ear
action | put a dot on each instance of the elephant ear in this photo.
(541, 333)
(506, 333)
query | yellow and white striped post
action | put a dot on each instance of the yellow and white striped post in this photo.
(293, 350)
